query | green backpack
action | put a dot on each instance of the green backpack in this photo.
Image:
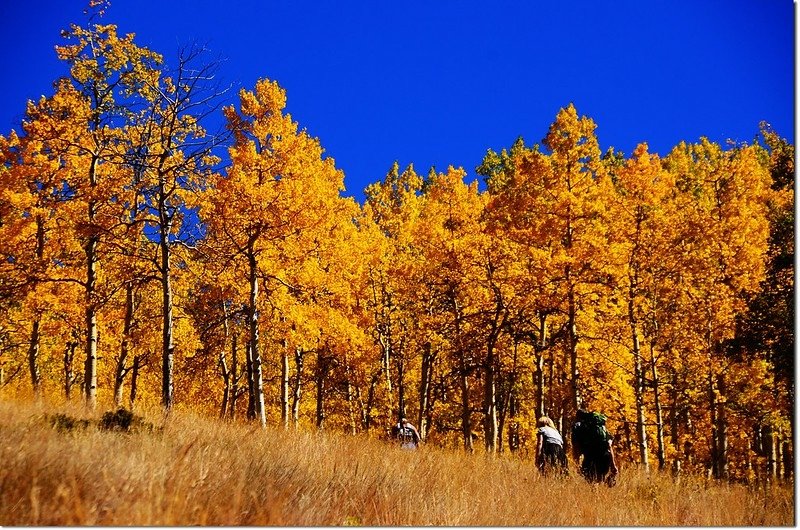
(589, 433)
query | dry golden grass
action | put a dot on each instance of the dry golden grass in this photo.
(203, 472)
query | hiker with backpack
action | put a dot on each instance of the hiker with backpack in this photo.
(592, 443)
(550, 455)
(406, 434)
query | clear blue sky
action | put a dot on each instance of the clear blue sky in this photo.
(440, 82)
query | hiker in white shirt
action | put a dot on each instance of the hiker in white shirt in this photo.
(550, 455)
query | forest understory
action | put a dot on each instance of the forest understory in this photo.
(187, 470)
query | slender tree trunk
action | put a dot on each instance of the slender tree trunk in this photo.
(712, 408)
(490, 412)
(787, 460)
(572, 331)
(251, 385)
(349, 395)
(426, 377)
(135, 379)
(362, 408)
(501, 423)
(757, 441)
(298, 379)
(508, 398)
(235, 375)
(385, 338)
(258, 381)
(575, 398)
(428, 418)
(167, 340)
(69, 375)
(90, 368)
(463, 379)
(373, 386)
(572, 344)
(628, 441)
(722, 428)
(674, 418)
(386, 352)
(34, 347)
(466, 419)
(33, 358)
(539, 357)
(285, 386)
(401, 386)
(770, 451)
(122, 368)
(659, 413)
(226, 389)
(228, 375)
(490, 400)
(551, 404)
(638, 375)
(690, 428)
(322, 368)
(509, 407)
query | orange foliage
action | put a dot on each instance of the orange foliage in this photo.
(575, 278)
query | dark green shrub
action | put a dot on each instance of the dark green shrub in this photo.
(125, 421)
(63, 423)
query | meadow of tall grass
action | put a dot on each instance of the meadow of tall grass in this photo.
(195, 471)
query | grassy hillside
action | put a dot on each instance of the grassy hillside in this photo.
(191, 471)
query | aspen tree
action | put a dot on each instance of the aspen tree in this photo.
(452, 247)
(643, 190)
(581, 187)
(724, 239)
(276, 187)
(393, 206)
(173, 155)
(106, 71)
